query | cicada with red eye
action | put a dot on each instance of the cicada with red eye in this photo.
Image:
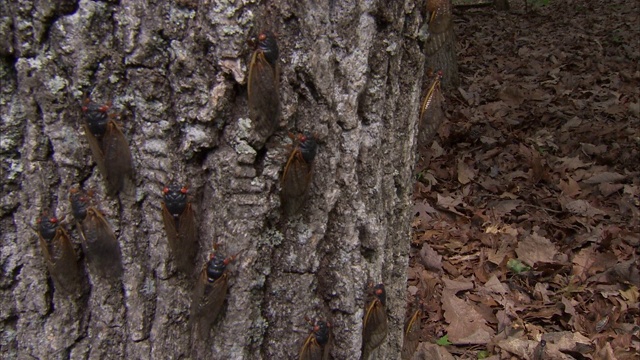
(318, 344)
(263, 86)
(180, 226)
(109, 147)
(209, 294)
(98, 239)
(412, 329)
(374, 326)
(59, 254)
(298, 173)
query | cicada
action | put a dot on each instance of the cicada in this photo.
(434, 95)
(317, 345)
(375, 322)
(431, 113)
(209, 294)
(263, 86)
(412, 331)
(59, 254)
(540, 351)
(98, 240)
(440, 24)
(297, 173)
(180, 226)
(109, 147)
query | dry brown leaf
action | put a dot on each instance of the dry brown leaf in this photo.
(428, 351)
(454, 286)
(605, 177)
(582, 207)
(430, 258)
(512, 95)
(570, 188)
(495, 286)
(449, 203)
(506, 206)
(465, 172)
(572, 163)
(466, 325)
(535, 248)
(591, 149)
(607, 189)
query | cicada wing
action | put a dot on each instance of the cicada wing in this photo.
(96, 150)
(102, 248)
(411, 336)
(263, 96)
(375, 328)
(295, 182)
(206, 304)
(431, 114)
(440, 26)
(187, 240)
(311, 350)
(117, 159)
(61, 261)
(170, 228)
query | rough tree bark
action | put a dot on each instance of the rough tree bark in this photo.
(176, 70)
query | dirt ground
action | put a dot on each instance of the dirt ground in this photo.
(527, 229)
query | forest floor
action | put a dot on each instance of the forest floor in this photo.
(527, 207)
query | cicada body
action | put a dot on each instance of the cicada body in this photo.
(180, 226)
(375, 322)
(431, 113)
(59, 254)
(98, 239)
(317, 345)
(440, 24)
(109, 147)
(412, 332)
(433, 97)
(209, 294)
(297, 173)
(263, 86)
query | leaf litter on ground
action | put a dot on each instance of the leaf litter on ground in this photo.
(528, 246)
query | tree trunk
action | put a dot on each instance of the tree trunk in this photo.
(176, 71)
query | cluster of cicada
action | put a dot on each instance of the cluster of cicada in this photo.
(264, 111)
(98, 242)
(111, 153)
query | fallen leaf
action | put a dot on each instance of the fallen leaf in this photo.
(449, 203)
(465, 172)
(570, 188)
(466, 325)
(430, 258)
(535, 248)
(582, 207)
(605, 177)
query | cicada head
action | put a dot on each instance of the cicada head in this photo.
(308, 146)
(97, 117)
(216, 266)
(380, 294)
(175, 199)
(375, 326)
(79, 203)
(267, 43)
(48, 227)
(321, 332)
